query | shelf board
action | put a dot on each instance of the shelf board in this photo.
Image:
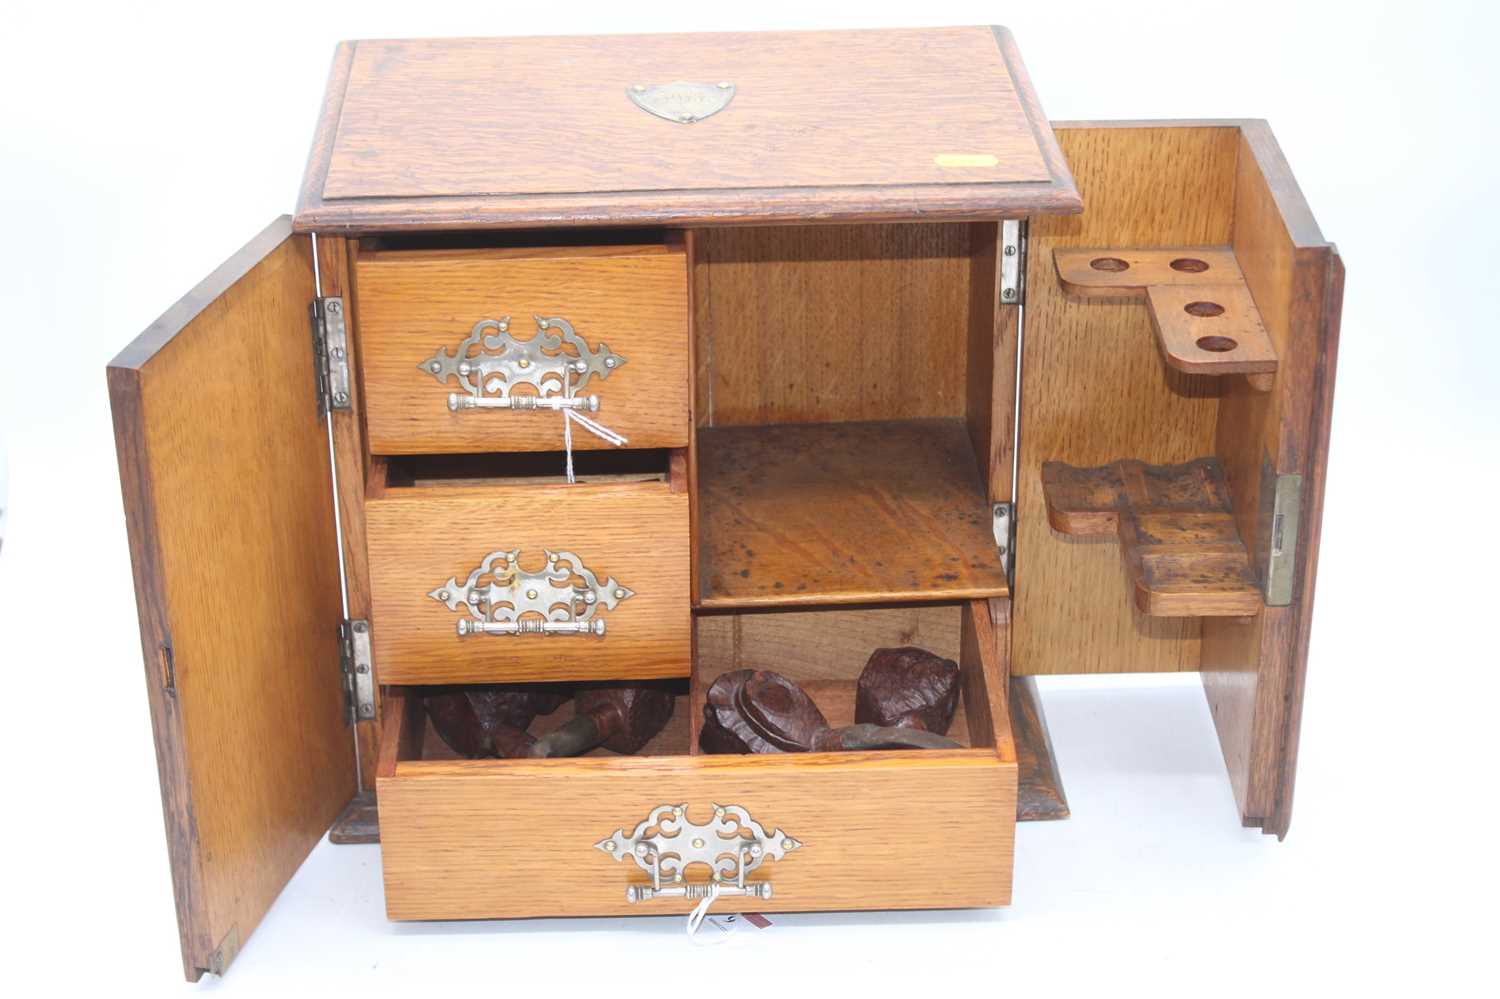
(1182, 552)
(843, 513)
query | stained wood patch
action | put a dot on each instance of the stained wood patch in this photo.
(843, 513)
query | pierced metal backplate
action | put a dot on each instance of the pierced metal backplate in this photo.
(500, 598)
(681, 101)
(666, 842)
(555, 365)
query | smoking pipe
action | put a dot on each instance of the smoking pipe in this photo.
(490, 720)
(909, 688)
(620, 717)
(759, 711)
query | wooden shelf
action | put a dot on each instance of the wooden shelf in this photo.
(1205, 317)
(843, 513)
(1183, 554)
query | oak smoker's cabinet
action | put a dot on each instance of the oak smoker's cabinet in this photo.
(702, 354)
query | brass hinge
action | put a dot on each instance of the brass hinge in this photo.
(1012, 262)
(1004, 524)
(357, 668)
(330, 354)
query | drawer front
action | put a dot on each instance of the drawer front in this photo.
(477, 839)
(624, 320)
(621, 553)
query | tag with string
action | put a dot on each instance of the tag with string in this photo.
(597, 429)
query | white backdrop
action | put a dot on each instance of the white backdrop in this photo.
(140, 148)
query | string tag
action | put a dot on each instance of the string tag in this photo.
(599, 430)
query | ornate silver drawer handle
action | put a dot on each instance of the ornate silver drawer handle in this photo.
(501, 598)
(504, 362)
(731, 844)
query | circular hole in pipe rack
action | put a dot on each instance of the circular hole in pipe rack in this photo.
(1189, 265)
(1204, 310)
(1113, 264)
(1217, 344)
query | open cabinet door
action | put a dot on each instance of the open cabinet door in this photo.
(1100, 393)
(228, 501)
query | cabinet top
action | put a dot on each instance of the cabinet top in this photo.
(929, 123)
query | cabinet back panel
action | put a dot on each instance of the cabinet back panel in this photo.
(1094, 389)
(816, 324)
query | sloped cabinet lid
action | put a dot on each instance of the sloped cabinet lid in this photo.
(838, 125)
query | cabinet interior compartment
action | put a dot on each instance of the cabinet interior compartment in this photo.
(844, 392)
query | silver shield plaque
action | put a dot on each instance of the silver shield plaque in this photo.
(682, 102)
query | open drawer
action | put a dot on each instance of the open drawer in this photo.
(473, 839)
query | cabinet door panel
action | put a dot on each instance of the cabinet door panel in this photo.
(1095, 389)
(225, 473)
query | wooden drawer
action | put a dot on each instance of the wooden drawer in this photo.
(627, 306)
(476, 839)
(632, 535)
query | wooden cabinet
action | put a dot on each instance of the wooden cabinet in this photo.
(741, 386)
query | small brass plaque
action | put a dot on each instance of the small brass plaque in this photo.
(682, 102)
(965, 160)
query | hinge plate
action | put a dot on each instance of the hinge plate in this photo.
(1280, 519)
(330, 354)
(1004, 524)
(358, 667)
(1012, 261)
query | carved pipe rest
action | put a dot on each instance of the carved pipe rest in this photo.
(907, 687)
(491, 720)
(759, 711)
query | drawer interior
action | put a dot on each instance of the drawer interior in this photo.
(822, 651)
(465, 838)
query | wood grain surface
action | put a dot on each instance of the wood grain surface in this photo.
(635, 532)
(1039, 796)
(1094, 389)
(843, 513)
(881, 830)
(1126, 272)
(1182, 554)
(1211, 329)
(814, 324)
(832, 125)
(1254, 671)
(238, 590)
(632, 298)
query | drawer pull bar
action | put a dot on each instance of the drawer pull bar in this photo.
(503, 362)
(588, 403)
(564, 597)
(530, 626)
(666, 842)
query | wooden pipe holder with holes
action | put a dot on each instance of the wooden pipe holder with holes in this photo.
(1204, 316)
